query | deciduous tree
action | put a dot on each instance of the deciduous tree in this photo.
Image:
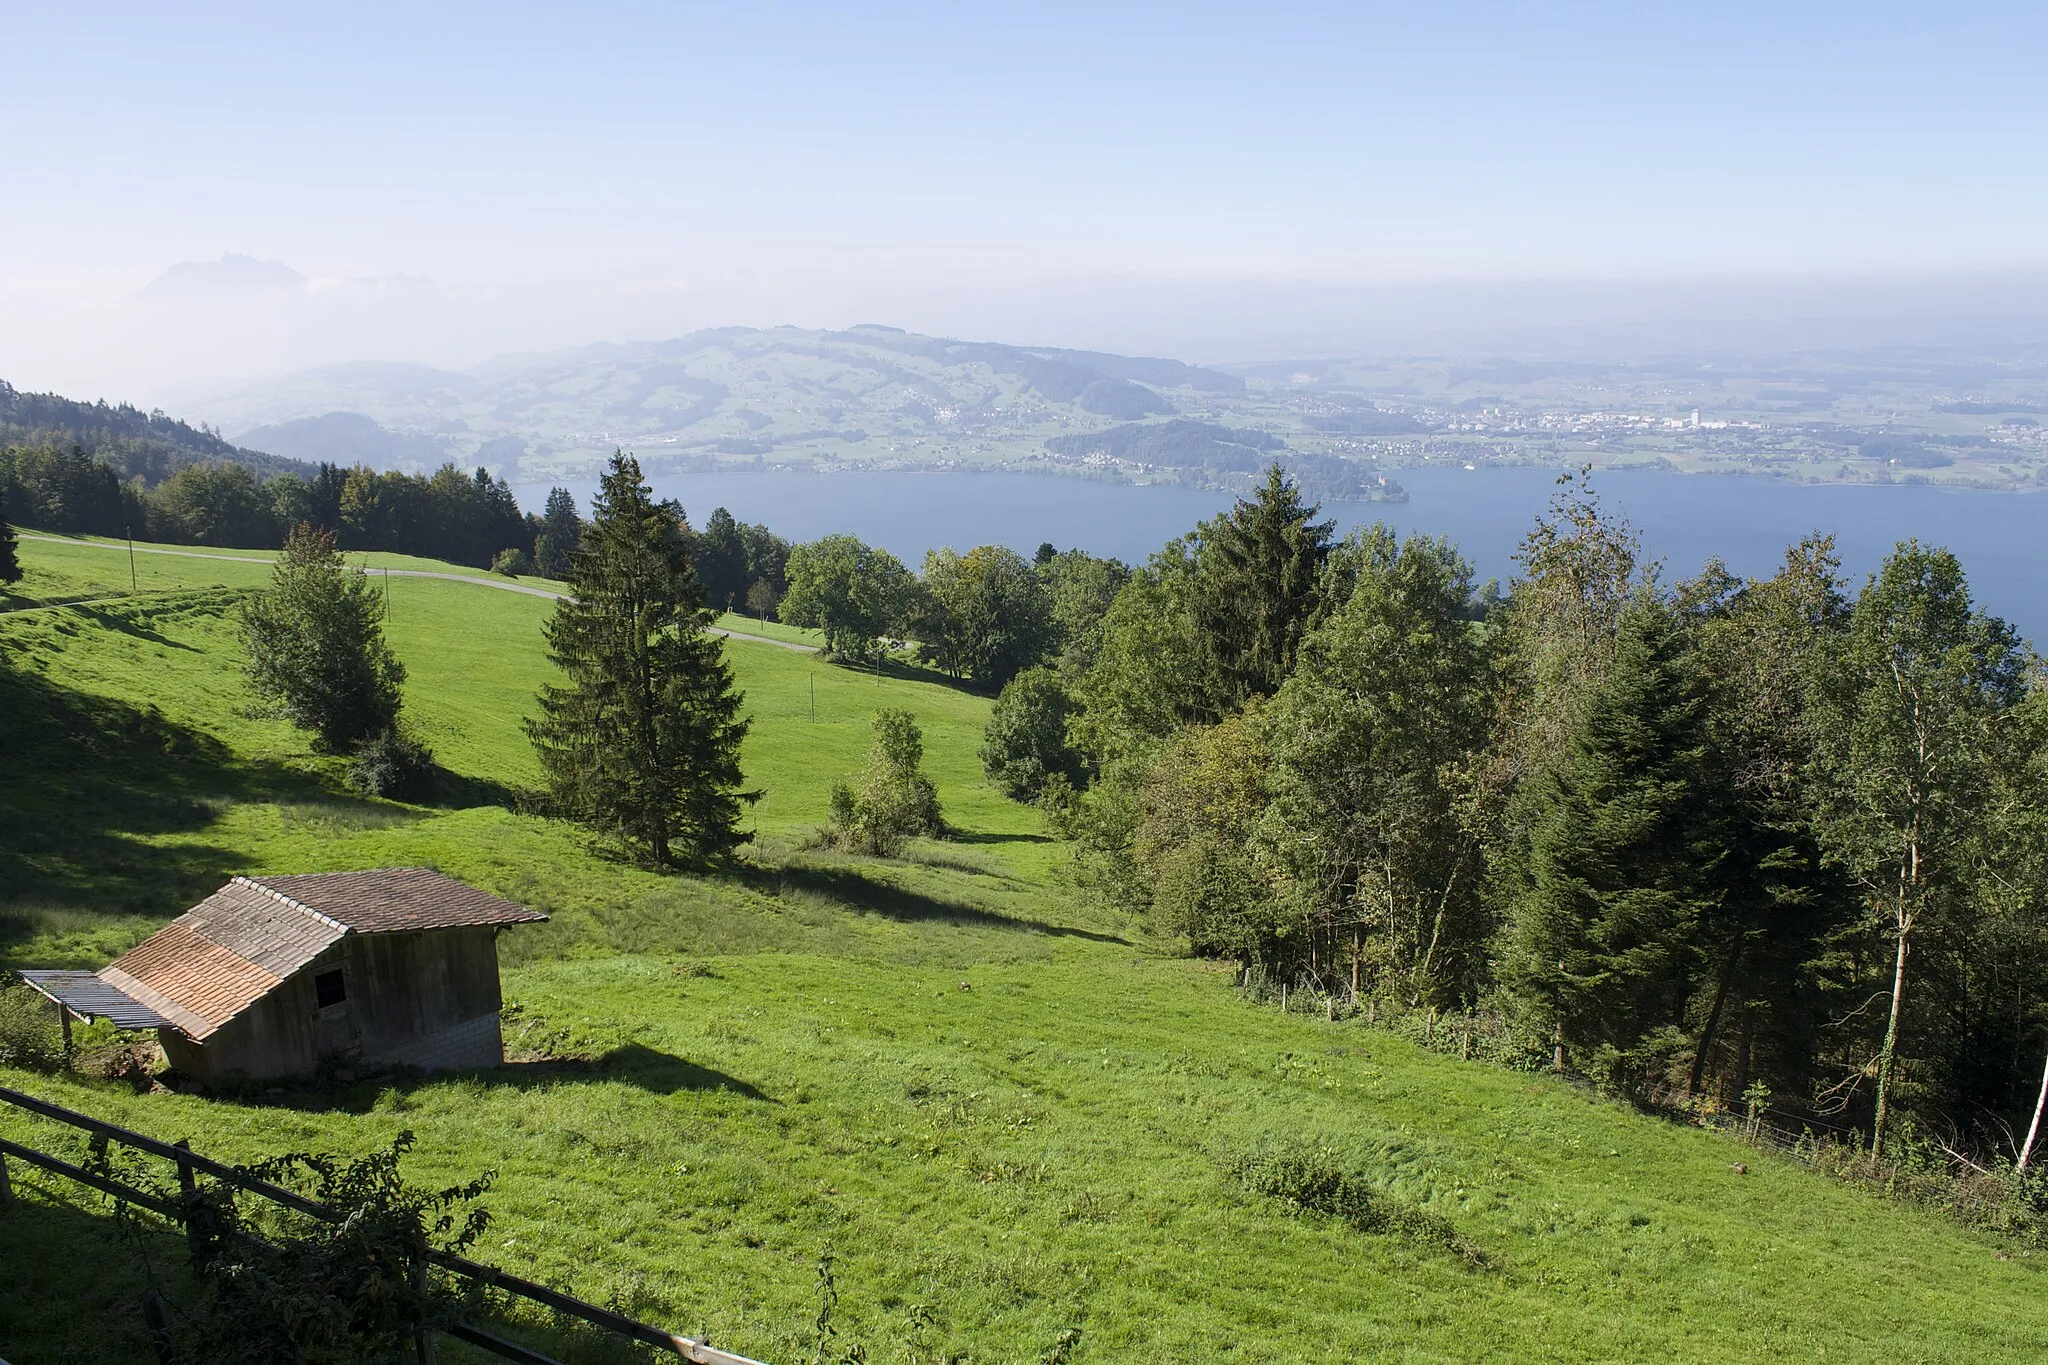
(316, 645)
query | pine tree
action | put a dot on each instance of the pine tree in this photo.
(722, 562)
(10, 561)
(644, 742)
(1624, 853)
(1256, 590)
(560, 531)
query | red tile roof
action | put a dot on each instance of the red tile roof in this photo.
(242, 942)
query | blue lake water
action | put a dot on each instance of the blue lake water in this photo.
(1683, 518)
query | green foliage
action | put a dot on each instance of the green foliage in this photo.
(644, 742)
(1625, 848)
(512, 563)
(721, 562)
(895, 801)
(1082, 587)
(1256, 590)
(1913, 719)
(29, 1037)
(315, 645)
(1200, 800)
(214, 504)
(559, 533)
(1312, 1177)
(393, 764)
(1372, 739)
(1145, 679)
(1026, 742)
(10, 557)
(854, 593)
(984, 615)
(360, 1289)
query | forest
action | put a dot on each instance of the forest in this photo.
(1706, 842)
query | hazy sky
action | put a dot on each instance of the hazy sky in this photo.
(796, 162)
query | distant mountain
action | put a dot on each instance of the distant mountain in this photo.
(230, 277)
(349, 438)
(867, 396)
(145, 445)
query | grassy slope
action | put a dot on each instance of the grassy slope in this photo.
(1040, 1150)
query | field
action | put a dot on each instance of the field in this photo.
(1005, 1117)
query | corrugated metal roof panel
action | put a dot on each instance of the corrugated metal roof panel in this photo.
(89, 995)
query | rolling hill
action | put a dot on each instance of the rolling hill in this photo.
(1010, 1121)
(866, 397)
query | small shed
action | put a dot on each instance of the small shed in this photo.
(275, 976)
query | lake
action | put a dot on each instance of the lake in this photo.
(1684, 518)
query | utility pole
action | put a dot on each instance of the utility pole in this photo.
(131, 560)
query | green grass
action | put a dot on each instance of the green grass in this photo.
(974, 1094)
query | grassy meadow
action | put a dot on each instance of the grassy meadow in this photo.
(1006, 1118)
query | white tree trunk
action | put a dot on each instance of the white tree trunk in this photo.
(2034, 1128)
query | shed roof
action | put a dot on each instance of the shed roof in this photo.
(84, 993)
(242, 942)
(395, 900)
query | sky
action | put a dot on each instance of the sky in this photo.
(1185, 178)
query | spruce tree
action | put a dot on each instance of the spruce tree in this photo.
(1256, 591)
(644, 742)
(10, 561)
(1624, 850)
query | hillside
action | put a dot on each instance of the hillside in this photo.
(867, 397)
(1004, 1116)
(137, 444)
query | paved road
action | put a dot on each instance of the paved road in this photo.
(507, 586)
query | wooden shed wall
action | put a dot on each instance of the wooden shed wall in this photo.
(430, 998)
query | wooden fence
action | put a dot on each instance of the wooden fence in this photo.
(190, 1165)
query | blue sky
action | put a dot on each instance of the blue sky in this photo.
(778, 152)
(1444, 140)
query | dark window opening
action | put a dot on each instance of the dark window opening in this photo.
(328, 989)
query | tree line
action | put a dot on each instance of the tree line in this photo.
(1710, 838)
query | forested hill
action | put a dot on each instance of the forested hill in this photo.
(136, 444)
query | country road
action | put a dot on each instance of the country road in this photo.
(529, 590)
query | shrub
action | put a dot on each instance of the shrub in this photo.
(1311, 1178)
(895, 801)
(29, 1037)
(393, 764)
(317, 646)
(512, 563)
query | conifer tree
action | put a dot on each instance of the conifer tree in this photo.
(316, 644)
(1256, 590)
(10, 561)
(1624, 850)
(644, 741)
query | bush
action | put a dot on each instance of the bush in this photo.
(512, 563)
(29, 1037)
(393, 764)
(1311, 1178)
(896, 800)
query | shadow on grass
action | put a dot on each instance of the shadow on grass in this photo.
(644, 1068)
(74, 1290)
(92, 780)
(967, 837)
(125, 622)
(850, 886)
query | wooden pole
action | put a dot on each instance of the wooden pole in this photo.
(814, 699)
(131, 560)
(6, 1186)
(64, 1026)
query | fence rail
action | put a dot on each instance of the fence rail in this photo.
(190, 1164)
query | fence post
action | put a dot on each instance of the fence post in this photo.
(6, 1186)
(159, 1330)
